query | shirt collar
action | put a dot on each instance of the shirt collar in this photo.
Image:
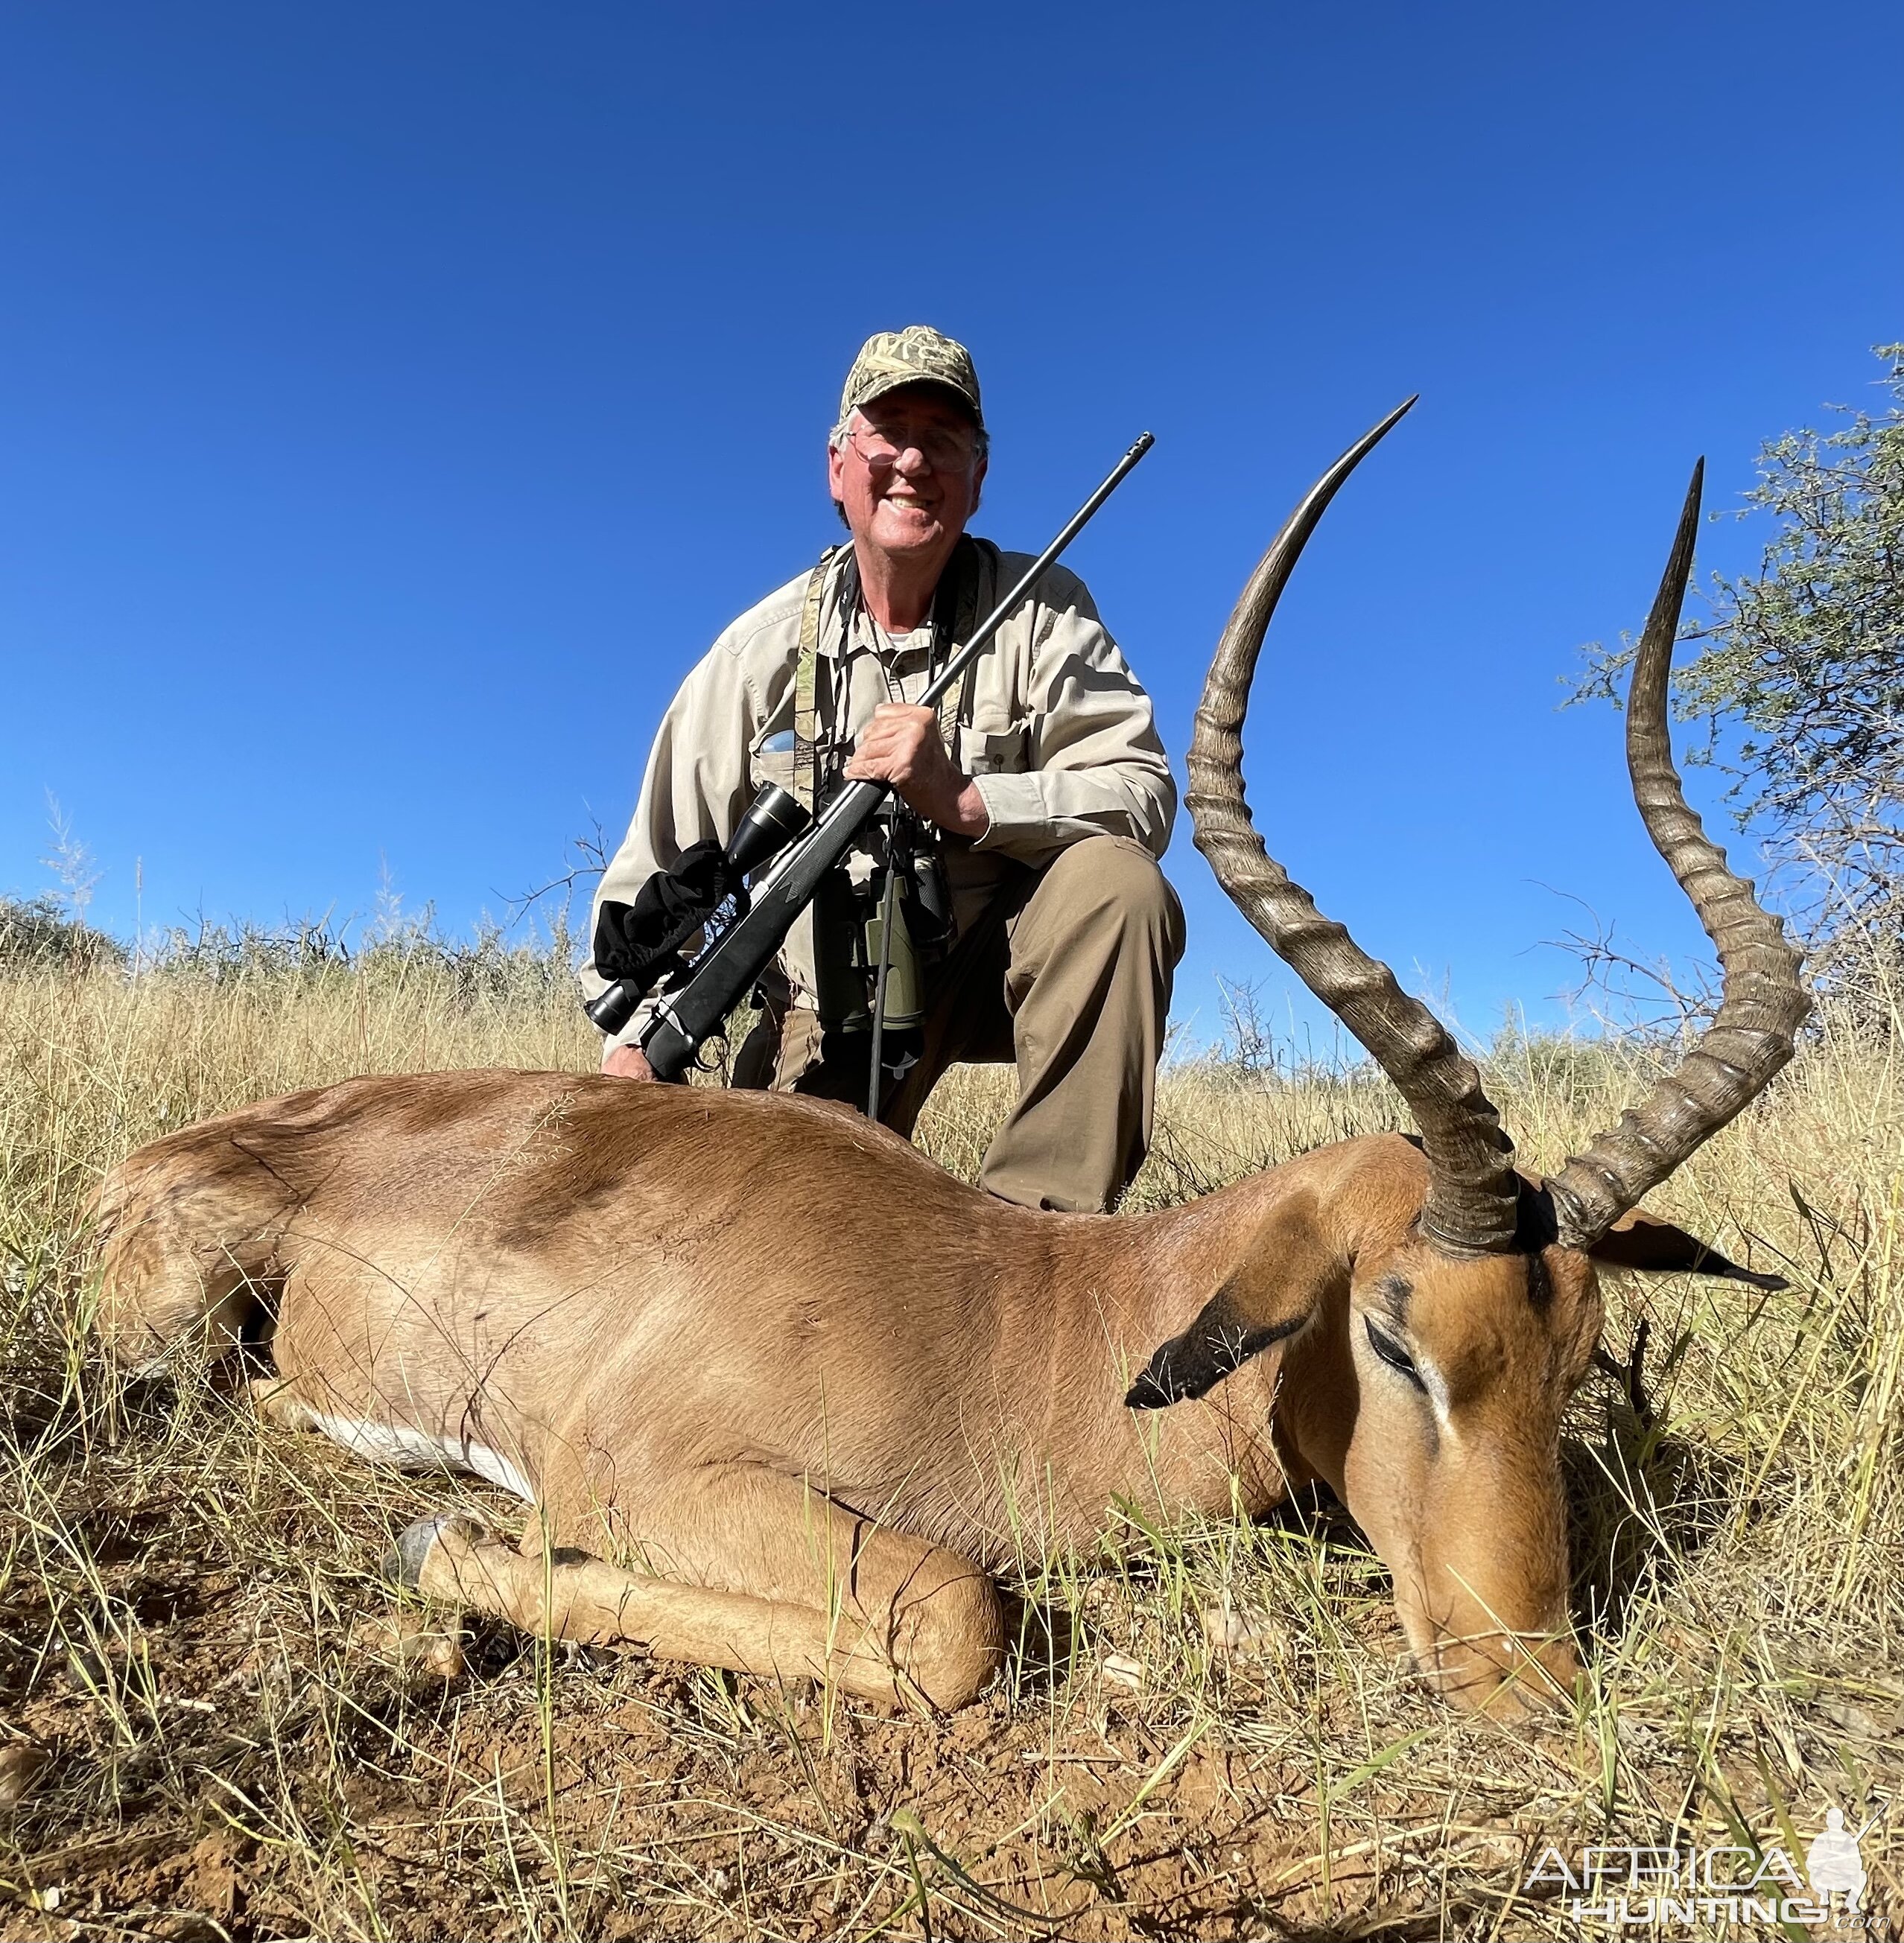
(844, 620)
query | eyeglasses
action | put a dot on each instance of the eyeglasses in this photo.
(882, 447)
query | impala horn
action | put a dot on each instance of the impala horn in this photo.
(1472, 1188)
(1762, 1001)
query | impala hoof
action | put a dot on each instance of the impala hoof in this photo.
(403, 1564)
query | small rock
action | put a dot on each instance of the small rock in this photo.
(413, 1643)
(443, 1658)
(21, 1762)
(1122, 1671)
(1229, 1631)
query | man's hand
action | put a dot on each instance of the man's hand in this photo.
(902, 746)
(627, 1062)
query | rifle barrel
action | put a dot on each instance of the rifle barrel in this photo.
(981, 635)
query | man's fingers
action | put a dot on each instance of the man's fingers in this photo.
(878, 769)
(888, 712)
(906, 741)
(894, 723)
(901, 746)
(881, 752)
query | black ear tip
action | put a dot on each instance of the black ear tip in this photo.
(1715, 1264)
(1145, 1394)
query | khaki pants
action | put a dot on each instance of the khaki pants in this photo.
(1066, 974)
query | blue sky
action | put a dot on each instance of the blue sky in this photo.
(394, 401)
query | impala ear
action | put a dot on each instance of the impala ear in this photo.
(1638, 1240)
(1216, 1343)
(1270, 1294)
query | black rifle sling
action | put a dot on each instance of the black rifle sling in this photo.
(955, 614)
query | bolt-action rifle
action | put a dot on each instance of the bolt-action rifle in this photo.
(797, 851)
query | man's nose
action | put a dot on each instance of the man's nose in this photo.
(911, 462)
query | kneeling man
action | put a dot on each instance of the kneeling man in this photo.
(1037, 800)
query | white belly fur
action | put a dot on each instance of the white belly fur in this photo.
(407, 1449)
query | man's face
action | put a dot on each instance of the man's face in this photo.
(918, 501)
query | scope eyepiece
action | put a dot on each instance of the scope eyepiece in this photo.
(614, 1008)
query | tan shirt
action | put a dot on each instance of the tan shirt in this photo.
(1058, 734)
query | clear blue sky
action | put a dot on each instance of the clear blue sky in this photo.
(395, 400)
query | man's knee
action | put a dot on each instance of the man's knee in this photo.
(1115, 879)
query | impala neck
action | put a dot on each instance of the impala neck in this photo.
(1137, 1282)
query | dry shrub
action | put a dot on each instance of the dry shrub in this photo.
(211, 1724)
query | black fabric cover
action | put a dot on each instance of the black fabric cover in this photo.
(642, 941)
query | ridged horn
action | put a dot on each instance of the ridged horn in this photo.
(1763, 1002)
(1472, 1185)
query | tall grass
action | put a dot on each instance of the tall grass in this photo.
(216, 1720)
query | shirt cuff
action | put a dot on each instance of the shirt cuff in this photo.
(1019, 820)
(631, 1033)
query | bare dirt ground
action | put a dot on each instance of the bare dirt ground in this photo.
(217, 1720)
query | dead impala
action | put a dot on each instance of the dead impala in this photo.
(668, 1316)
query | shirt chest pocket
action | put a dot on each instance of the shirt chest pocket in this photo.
(995, 752)
(771, 760)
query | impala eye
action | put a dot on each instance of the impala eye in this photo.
(1393, 1353)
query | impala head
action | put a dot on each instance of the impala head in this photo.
(1437, 1371)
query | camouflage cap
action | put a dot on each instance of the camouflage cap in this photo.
(918, 354)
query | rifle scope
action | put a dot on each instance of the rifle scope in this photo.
(773, 819)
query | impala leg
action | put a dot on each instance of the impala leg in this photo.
(764, 1575)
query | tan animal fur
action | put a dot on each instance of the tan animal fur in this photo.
(508, 1261)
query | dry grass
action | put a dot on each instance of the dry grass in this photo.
(212, 1727)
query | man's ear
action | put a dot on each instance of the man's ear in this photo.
(1639, 1240)
(1268, 1295)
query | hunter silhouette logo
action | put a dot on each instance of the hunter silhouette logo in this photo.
(1834, 1865)
(1622, 1886)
